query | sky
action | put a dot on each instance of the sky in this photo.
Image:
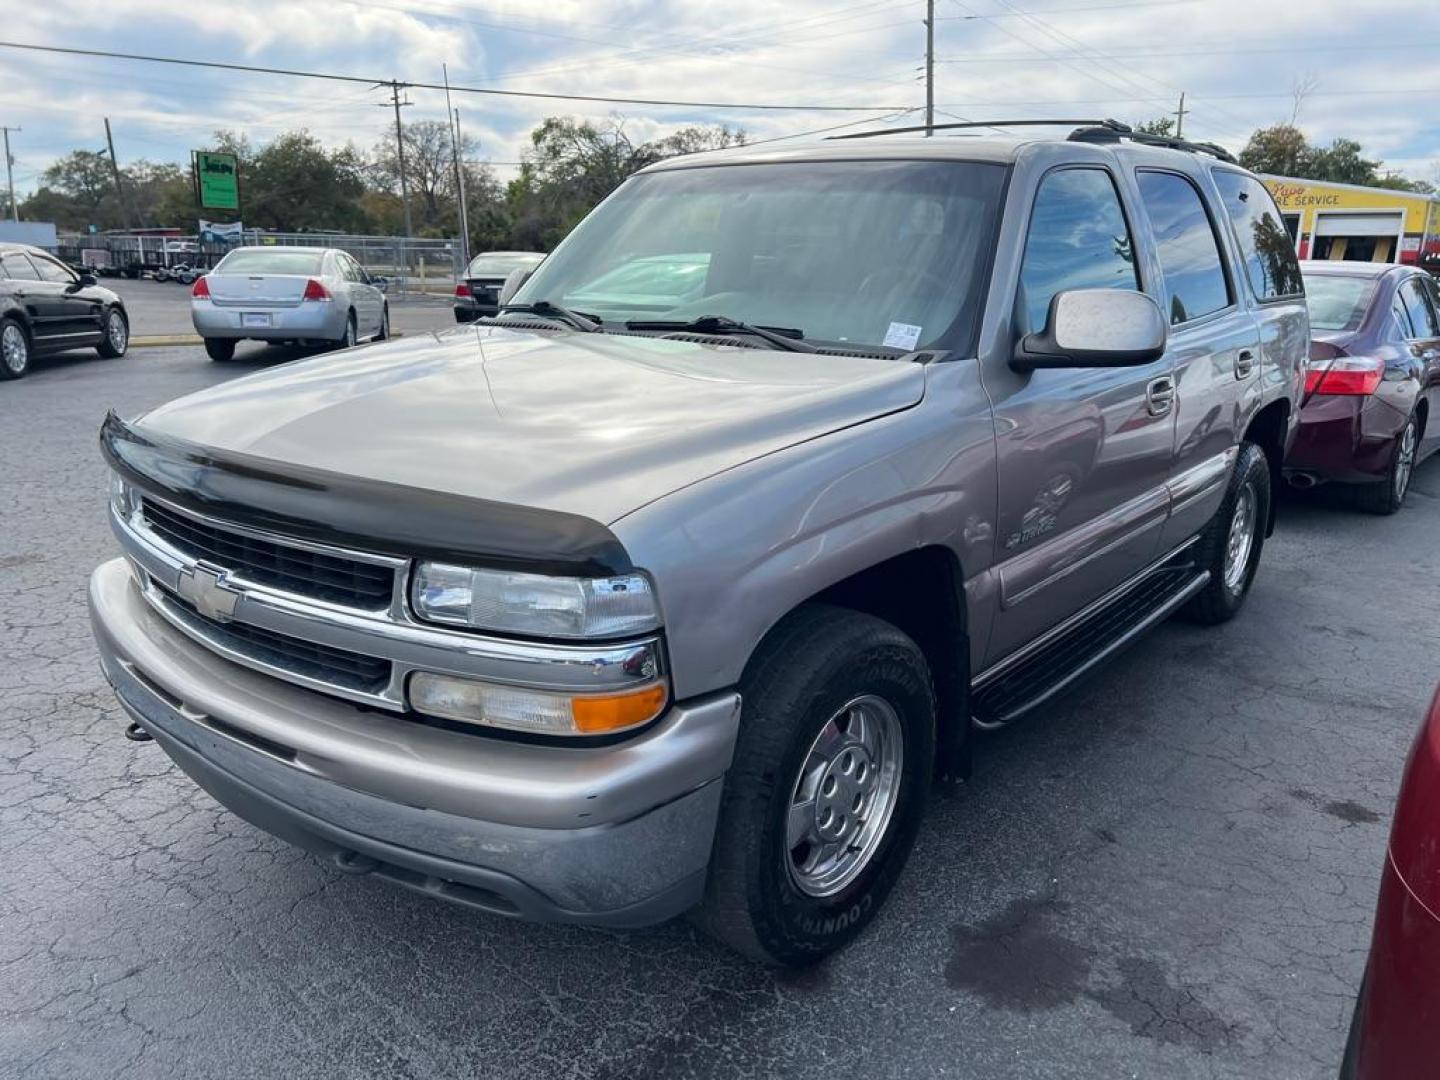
(1239, 63)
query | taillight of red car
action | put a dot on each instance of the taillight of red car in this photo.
(463, 290)
(200, 290)
(316, 291)
(1357, 376)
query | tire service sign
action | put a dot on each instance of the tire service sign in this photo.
(217, 177)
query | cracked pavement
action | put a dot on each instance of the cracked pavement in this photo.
(1170, 873)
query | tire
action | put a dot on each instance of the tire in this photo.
(384, 333)
(1350, 1062)
(817, 671)
(117, 335)
(1231, 576)
(15, 350)
(220, 349)
(347, 339)
(1388, 496)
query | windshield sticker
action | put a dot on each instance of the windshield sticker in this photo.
(902, 335)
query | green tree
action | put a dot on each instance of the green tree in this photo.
(294, 183)
(1281, 149)
(1161, 125)
(571, 165)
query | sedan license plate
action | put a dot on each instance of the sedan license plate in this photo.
(255, 318)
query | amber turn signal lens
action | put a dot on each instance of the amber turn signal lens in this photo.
(616, 712)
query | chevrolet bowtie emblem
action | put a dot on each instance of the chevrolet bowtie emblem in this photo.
(208, 591)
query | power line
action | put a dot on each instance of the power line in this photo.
(302, 74)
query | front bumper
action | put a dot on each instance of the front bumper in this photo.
(310, 319)
(614, 836)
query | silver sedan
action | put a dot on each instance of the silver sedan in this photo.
(308, 295)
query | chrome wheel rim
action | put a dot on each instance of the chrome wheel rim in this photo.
(844, 796)
(15, 349)
(1241, 539)
(115, 330)
(1405, 461)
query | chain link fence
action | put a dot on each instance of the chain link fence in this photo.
(411, 264)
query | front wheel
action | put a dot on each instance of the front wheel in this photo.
(117, 335)
(827, 789)
(1230, 545)
(384, 334)
(1388, 496)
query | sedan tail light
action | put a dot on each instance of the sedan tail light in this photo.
(463, 290)
(201, 289)
(316, 291)
(1353, 375)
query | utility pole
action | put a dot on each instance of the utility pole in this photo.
(1180, 117)
(454, 118)
(929, 67)
(395, 88)
(10, 173)
(115, 172)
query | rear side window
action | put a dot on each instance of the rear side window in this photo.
(1265, 245)
(1078, 240)
(1185, 241)
(16, 267)
(1417, 306)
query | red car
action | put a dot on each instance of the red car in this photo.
(1396, 1030)
(1372, 382)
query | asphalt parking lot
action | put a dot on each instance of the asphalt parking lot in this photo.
(1171, 874)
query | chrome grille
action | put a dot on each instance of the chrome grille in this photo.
(296, 570)
(308, 659)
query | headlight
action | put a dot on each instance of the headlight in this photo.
(534, 604)
(120, 496)
(472, 701)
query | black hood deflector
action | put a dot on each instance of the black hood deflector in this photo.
(366, 515)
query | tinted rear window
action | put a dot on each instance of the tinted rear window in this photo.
(1265, 244)
(278, 261)
(500, 265)
(1190, 259)
(1337, 303)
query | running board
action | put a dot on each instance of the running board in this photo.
(1010, 689)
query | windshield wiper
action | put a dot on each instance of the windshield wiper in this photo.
(785, 338)
(546, 309)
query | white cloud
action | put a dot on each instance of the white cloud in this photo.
(1123, 58)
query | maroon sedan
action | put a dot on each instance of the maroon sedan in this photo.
(1396, 1031)
(1373, 380)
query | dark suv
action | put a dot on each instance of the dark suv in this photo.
(675, 590)
(47, 307)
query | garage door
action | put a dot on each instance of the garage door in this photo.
(1359, 224)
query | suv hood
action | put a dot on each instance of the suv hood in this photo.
(590, 424)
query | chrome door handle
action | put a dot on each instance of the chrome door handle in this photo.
(1244, 363)
(1160, 395)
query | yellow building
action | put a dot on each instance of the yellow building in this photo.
(1359, 224)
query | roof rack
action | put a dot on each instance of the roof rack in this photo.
(1102, 125)
(1108, 134)
(1091, 131)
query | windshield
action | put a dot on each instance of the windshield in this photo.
(500, 264)
(278, 261)
(1336, 302)
(882, 253)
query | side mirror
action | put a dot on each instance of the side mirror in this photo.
(513, 281)
(1095, 328)
(83, 281)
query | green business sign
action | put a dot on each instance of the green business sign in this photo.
(219, 180)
